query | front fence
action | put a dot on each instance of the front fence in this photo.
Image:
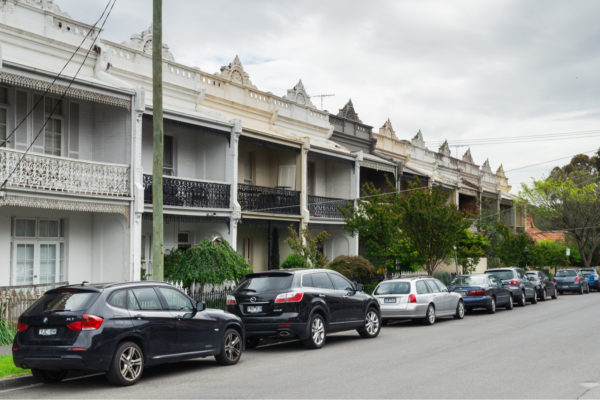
(14, 300)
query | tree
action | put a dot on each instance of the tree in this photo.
(208, 262)
(308, 246)
(431, 226)
(294, 260)
(376, 220)
(570, 199)
(470, 247)
(549, 253)
(355, 268)
(511, 249)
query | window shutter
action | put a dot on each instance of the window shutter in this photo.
(74, 130)
(20, 138)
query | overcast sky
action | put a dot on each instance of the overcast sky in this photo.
(458, 70)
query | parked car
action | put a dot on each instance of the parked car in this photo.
(514, 279)
(422, 298)
(121, 328)
(592, 277)
(482, 291)
(303, 303)
(569, 280)
(544, 286)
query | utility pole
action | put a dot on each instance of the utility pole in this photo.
(321, 97)
(158, 247)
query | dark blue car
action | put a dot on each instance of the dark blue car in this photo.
(592, 277)
(482, 291)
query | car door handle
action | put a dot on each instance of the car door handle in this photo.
(138, 316)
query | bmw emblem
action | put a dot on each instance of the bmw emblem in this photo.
(45, 320)
(252, 299)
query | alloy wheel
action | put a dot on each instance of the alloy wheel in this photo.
(130, 363)
(318, 331)
(233, 346)
(372, 323)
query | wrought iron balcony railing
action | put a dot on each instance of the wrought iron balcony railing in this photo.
(190, 193)
(268, 200)
(63, 175)
(325, 207)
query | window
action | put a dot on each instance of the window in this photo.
(147, 298)
(53, 131)
(307, 280)
(38, 251)
(286, 177)
(248, 166)
(244, 247)
(176, 301)
(440, 285)
(183, 240)
(421, 287)
(321, 281)
(132, 302)
(433, 288)
(168, 168)
(340, 283)
(3, 116)
(118, 299)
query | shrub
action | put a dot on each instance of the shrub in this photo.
(355, 268)
(7, 333)
(294, 260)
(443, 276)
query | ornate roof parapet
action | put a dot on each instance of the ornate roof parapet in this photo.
(445, 149)
(143, 42)
(486, 166)
(299, 96)
(348, 112)
(386, 130)
(467, 157)
(47, 5)
(234, 72)
(418, 141)
(500, 171)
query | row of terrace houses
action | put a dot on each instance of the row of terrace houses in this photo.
(239, 162)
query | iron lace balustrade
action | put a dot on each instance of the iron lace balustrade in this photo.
(189, 193)
(268, 200)
(325, 207)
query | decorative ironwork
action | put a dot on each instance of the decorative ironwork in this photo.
(58, 174)
(190, 193)
(268, 200)
(325, 207)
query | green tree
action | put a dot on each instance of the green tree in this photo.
(208, 262)
(355, 268)
(308, 246)
(512, 249)
(376, 220)
(470, 247)
(294, 260)
(549, 253)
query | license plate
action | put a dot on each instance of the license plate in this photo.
(254, 309)
(47, 332)
(389, 300)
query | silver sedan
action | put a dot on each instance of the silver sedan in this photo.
(423, 298)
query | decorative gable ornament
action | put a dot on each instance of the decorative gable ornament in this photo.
(234, 72)
(387, 130)
(299, 96)
(486, 166)
(467, 157)
(348, 112)
(418, 141)
(500, 171)
(445, 149)
(143, 42)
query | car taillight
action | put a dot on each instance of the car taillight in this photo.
(231, 301)
(412, 298)
(595, 276)
(476, 293)
(554, 280)
(21, 327)
(88, 323)
(577, 279)
(289, 297)
(513, 283)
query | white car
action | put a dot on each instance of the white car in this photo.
(423, 298)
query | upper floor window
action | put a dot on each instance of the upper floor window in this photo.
(53, 132)
(3, 116)
(168, 156)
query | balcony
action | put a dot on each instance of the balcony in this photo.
(268, 200)
(190, 193)
(63, 175)
(325, 207)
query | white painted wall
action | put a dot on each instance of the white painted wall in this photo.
(332, 178)
(197, 231)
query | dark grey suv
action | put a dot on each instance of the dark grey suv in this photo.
(515, 280)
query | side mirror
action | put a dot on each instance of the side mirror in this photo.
(359, 287)
(200, 306)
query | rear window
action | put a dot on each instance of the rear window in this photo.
(587, 271)
(566, 273)
(266, 283)
(469, 280)
(503, 275)
(66, 301)
(393, 288)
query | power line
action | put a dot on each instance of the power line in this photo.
(61, 98)
(521, 138)
(549, 161)
(55, 79)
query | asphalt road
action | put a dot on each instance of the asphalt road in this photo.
(547, 350)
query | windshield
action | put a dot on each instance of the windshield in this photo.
(568, 272)
(266, 283)
(393, 288)
(469, 280)
(503, 275)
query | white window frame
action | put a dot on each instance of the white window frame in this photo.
(61, 117)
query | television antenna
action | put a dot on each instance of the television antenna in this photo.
(321, 97)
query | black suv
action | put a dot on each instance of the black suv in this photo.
(514, 279)
(303, 303)
(120, 328)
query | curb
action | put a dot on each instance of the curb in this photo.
(17, 381)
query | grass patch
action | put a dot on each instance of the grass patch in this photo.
(8, 368)
(7, 333)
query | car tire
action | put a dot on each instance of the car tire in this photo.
(555, 295)
(231, 348)
(491, 309)
(560, 292)
(587, 290)
(580, 289)
(429, 315)
(372, 325)
(47, 376)
(511, 304)
(316, 332)
(521, 302)
(460, 310)
(534, 298)
(127, 365)
(544, 295)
